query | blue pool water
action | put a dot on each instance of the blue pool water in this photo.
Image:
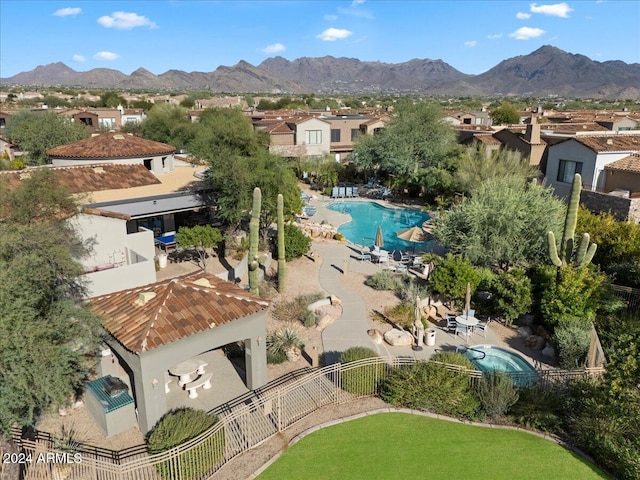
(366, 216)
(487, 358)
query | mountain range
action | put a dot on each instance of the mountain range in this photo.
(548, 71)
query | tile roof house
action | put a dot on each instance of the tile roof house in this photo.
(155, 327)
(526, 140)
(115, 147)
(624, 175)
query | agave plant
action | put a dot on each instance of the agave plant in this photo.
(284, 343)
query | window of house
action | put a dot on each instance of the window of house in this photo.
(354, 133)
(314, 137)
(567, 169)
(88, 121)
(335, 135)
(466, 121)
(107, 122)
(164, 162)
(147, 163)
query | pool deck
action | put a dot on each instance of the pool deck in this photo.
(350, 329)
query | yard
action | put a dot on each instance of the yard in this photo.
(404, 446)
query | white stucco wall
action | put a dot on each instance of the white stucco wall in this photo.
(314, 124)
(156, 162)
(122, 261)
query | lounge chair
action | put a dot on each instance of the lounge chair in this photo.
(364, 256)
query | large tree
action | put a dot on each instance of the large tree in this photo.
(239, 161)
(505, 114)
(504, 224)
(47, 332)
(416, 139)
(169, 124)
(36, 133)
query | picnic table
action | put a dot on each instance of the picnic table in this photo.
(167, 241)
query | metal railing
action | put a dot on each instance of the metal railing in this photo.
(242, 424)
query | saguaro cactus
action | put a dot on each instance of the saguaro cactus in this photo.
(282, 263)
(254, 227)
(585, 251)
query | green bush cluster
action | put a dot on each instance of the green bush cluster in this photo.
(497, 393)
(450, 278)
(572, 339)
(453, 358)
(385, 280)
(294, 311)
(296, 243)
(179, 426)
(362, 380)
(433, 387)
(513, 295)
(539, 409)
(402, 315)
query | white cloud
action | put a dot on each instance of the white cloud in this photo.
(470, 43)
(495, 36)
(526, 33)
(106, 56)
(330, 17)
(125, 21)
(275, 48)
(355, 11)
(65, 12)
(78, 58)
(333, 34)
(355, 3)
(555, 10)
(523, 15)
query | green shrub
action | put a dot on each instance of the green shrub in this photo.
(572, 339)
(296, 243)
(280, 342)
(362, 380)
(450, 278)
(512, 294)
(576, 295)
(385, 280)
(453, 358)
(294, 311)
(402, 315)
(412, 288)
(175, 428)
(625, 273)
(433, 387)
(497, 393)
(486, 278)
(539, 409)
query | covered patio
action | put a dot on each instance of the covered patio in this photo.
(155, 329)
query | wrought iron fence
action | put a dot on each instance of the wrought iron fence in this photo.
(631, 296)
(242, 425)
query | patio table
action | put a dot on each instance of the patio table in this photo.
(468, 322)
(166, 242)
(185, 370)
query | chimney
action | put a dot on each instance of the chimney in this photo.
(203, 282)
(609, 141)
(145, 297)
(532, 134)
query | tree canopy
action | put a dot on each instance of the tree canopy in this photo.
(46, 330)
(169, 124)
(505, 114)
(199, 238)
(36, 133)
(504, 224)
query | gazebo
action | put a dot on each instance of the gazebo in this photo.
(152, 328)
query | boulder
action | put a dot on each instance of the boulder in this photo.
(324, 321)
(376, 336)
(548, 351)
(398, 338)
(293, 354)
(525, 320)
(525, 332)
(536, 342)
(542, 332)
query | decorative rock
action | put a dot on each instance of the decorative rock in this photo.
(376, 336)
(324, 321)
(293, 354)
(525, 332)
(334, 300)
(548, 351)
(398, 338)
(542, 332)
(77, 404)
(536, 342)
(62, 412)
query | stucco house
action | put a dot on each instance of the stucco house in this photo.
(117, 148)
(587, 155)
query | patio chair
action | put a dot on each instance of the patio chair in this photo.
(451, 322)
(469, 313)
(462, 329)
(483, 326)
(405, 257)
(364, 256)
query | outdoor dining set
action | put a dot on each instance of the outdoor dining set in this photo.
(466, 324)
(192, 375)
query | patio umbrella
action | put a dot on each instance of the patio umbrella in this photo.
(414, 234)
(417, 312)
(467, 300)
(379, 238)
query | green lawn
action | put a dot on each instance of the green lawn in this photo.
(401, 446)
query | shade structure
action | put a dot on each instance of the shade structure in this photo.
(415, 235)
(379, 237)
(467, 300)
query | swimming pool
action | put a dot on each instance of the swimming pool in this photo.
(367, 216)
(487, 358)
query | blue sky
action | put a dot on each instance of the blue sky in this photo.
(471, 36)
